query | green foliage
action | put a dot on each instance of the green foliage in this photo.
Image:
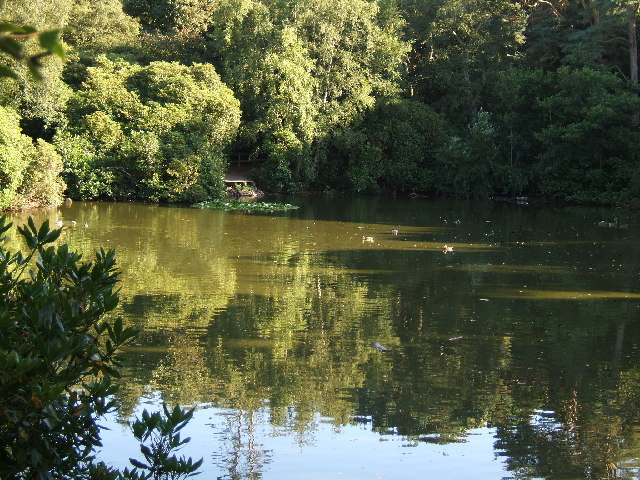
(57, 358)
(157, 132)
(302, 70)
(163, 435)
(391, 150)
(185, 17)
(42, 185)
(407, 134)
(29, 174)
(247, 207)
(11, 35)
(588, 144)
(100, 26)
(459, 46)
(320, 88)
(470, 165)
(579, 34)
(57, 355)
(517, 120)
(39, 55)
(364, 161)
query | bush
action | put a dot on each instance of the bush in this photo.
(470, 165)
(57, 359)
(29, 174)
(392, 149)
(155, 132)
(589, 143)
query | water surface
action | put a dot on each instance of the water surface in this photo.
(515, 355)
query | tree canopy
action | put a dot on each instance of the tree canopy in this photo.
(435, 97)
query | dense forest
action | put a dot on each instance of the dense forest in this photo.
(467, 98)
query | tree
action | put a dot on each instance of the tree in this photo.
(100, 26)
(301, 70)
(31, 39)
(30, 173)
(157, 132)
(12, 37)
(54, 340)
(587, 143)
(459, 47)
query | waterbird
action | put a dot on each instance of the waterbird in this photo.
(59, 223)
(377, 346)
(457, 222)
(394, 231)
(86, 225)
(367, 239)
(602, 223)
(448, 249)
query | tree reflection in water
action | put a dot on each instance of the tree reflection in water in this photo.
(528, 331)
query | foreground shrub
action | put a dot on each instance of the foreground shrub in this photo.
(57, 359)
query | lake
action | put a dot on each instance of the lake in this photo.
(514, 352)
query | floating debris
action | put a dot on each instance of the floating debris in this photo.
(377, 346)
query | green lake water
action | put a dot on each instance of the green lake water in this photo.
(515, 355)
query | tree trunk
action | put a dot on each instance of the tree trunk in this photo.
(632, 10)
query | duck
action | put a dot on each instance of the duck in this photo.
(367, 239)
(448, 249)
(86, 225)
(602, 223)
(394, 231)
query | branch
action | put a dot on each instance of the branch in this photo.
(553, 8)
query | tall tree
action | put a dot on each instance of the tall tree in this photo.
(632, 14)
(458, 47)
(302, 69)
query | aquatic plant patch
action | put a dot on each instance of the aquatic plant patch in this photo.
(247, 207)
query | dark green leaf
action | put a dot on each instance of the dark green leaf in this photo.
(50, 41)
(7, 72)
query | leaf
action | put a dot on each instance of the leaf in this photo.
(32, 242)
(8, 27)
(34, 68)
(52, 236)
(138, 464)
(146, 451)
(50, 40)
(10, 46)
(7, 72)
(44, 229)
(32, 225)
